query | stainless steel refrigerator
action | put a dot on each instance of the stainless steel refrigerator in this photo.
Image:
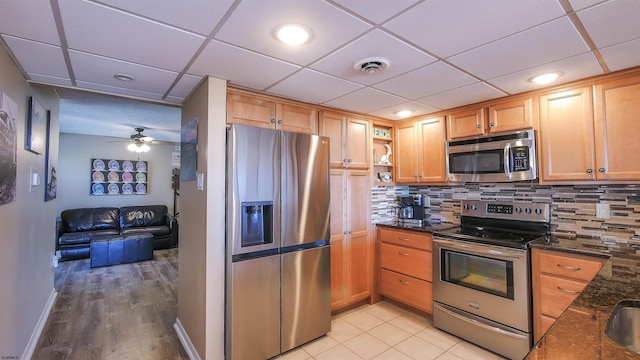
(278, 290)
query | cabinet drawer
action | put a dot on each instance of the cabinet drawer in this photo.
(569, 265)
(556, 294)
(406, 289)
(405, 238)
(414, 262)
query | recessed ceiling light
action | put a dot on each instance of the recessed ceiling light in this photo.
(293, 34)
(404, 113)
(123, 77)
(545, 78)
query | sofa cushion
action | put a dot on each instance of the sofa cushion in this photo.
(84, 237)
(154, 230)
(141, 216)
(90, 219)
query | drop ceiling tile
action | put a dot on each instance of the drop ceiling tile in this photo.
(100, 70)
(365, 101)
(402, 57)
(546, 43)
(462, 96)
(622, 56)
(612, 22)
(198, 16)
(448, 27)
(252, 25)
(118, 90)
(376, 11)
(29, 19)
(573, 68)
(417, 108)
(312, 86)
(186, 84)
(428, 80)
(577, 5)
(97, 29)
(246, 68)
(49, 61)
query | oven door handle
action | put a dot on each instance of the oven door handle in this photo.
(478, 250)
(507, 161)
(482, 325)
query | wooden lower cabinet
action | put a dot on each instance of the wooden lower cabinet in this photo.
(350, 240)
(558, 278)
(405, 267)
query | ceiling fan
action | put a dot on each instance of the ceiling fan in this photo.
(139, 142)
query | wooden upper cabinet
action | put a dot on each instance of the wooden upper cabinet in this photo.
(262, 111)
(566, 136)
(420, 149)
(349, 140)
(617, 105)
(466, 123)
(516, 114)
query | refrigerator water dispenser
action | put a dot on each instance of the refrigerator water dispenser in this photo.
(257, 221)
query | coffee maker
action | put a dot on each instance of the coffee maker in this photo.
(411, 209)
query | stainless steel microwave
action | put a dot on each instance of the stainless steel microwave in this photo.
(498, 158)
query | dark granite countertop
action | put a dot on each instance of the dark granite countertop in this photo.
(579, 333)
(426, 227)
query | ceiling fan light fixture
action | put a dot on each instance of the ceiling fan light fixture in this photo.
(371, 65)
(139, 148)
(123, 77)
(546, 78)
(404, 113)
(293, 34)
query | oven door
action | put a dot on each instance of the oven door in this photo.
(485, 280)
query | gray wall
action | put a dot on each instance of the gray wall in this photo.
(74, 172)
(28, 228)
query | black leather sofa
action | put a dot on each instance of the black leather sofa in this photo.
(77, 227)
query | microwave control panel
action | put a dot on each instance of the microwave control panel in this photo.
(520, 156)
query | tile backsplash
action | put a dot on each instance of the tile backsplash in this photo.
(573, 212)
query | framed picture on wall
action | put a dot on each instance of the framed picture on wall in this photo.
(50, 163)
(36, 127)
(189, 150)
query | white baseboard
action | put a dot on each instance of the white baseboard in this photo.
(35, 336)
(186, 341)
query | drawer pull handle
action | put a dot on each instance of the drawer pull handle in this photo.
(403, 239)
(568, 290)
(404, 282)
(574, 268)
(403, 254)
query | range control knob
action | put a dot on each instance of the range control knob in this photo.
(518, 210)
(466, 206)
(538, 211)
(473, 207)
(527, 210)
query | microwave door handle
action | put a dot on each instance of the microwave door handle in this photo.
(507, 161)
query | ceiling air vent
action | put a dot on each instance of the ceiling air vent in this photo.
(371, 65)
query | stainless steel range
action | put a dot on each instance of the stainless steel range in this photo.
(481, 284)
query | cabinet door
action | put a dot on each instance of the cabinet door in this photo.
(357, 143)
(566, 136)
(332, 125)
(466, 123)
(511, 115)
(406, 152)
(338, 187)
(358, 249)
(297, 118)
(249, 110)
(617, 105)
(432, 156)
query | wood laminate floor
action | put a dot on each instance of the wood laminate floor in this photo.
(117, 312)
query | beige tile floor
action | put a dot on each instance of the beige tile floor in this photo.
(384, 331)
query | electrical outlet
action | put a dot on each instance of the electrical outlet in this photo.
(603, 211)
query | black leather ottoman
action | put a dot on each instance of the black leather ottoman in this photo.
(112, 250)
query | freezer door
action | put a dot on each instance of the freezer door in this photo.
(253, 309)
(305, 188)
(253, 189)
(306, 296)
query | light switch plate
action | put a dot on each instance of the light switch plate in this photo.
(603, 211)
(200, 177)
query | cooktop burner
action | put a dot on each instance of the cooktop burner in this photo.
(500, 237)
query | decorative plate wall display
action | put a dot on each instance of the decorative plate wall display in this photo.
(118, 177)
